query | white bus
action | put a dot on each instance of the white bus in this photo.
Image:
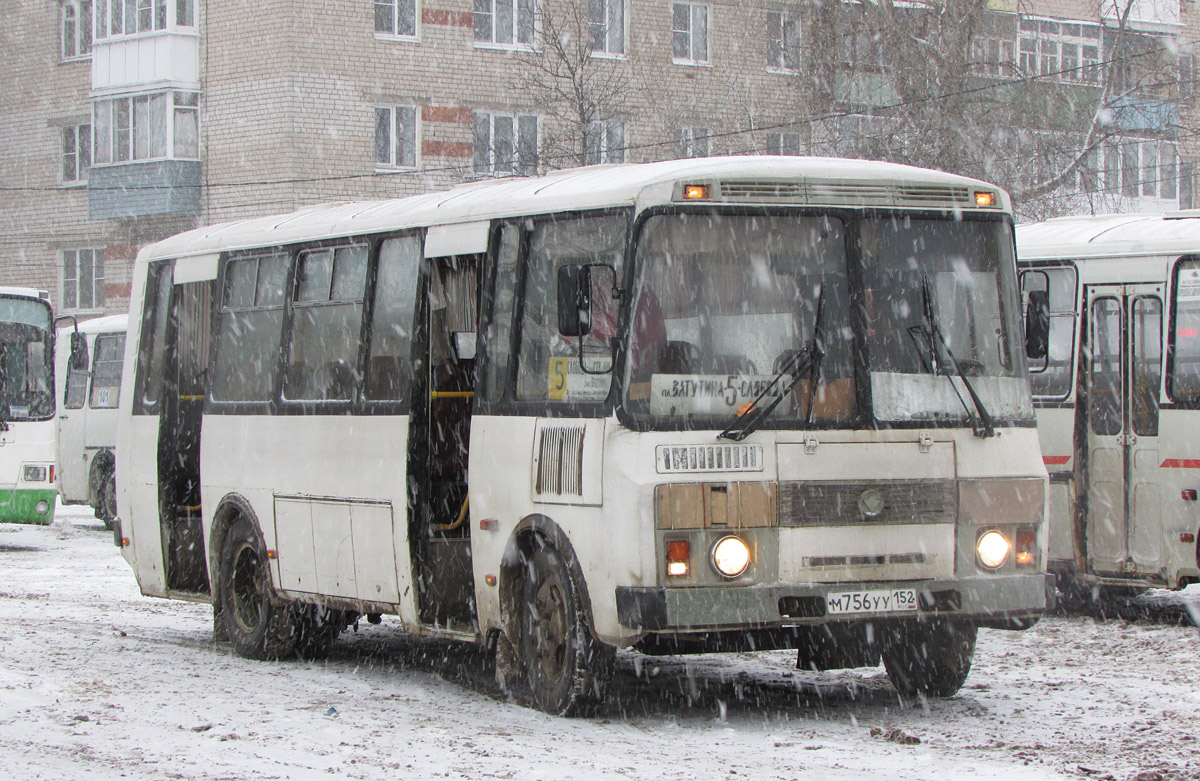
(1115, 365)
(26, 406)
(756, 402)
(87, 416)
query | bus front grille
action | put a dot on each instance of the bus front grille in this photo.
(830, 503)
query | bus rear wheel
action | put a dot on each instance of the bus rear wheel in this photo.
(106, 497)
(566, 667)
(257, 626)
(930, 659)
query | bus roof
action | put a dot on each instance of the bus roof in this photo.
(1111, 235)
(103, 325)
(823, 181)
(23, 292)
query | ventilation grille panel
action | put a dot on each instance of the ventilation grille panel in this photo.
(560, 461)
(891, 502)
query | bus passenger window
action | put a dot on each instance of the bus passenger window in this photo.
(389, 363)
(250, 326)
(1184, 379)
(106, 371)
(152, 356)
(322, 362)
(1052, 376)
(497, 333)
(548, 362)
(76, 388)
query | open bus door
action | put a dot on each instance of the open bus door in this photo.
(175, 341)
(1122, 374)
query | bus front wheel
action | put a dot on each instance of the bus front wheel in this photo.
(930, 659)
(257, 627)
(566, 667)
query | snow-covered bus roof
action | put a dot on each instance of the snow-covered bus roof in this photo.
(1110, 236)
(100, 325)
(23, 292)
(736, 180)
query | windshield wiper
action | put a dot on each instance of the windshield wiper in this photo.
(981, 420)
(807, 360)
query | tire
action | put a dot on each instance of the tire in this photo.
(106, 497)
(566, 667)
(930, 659)
(256, 625)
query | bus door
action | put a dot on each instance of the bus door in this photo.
(175, 344)
(439, 439)
(1122, 377)
(72, 415)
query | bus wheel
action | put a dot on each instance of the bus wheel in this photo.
(566, 667)
(930, 659)
(106, 498)
(317, 627)
(257, 627)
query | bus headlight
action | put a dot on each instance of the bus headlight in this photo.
(35, 474)
(993, 549)
(731, 556)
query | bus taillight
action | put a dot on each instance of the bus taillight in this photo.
(679, 558)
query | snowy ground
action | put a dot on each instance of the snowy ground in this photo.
(97, 681)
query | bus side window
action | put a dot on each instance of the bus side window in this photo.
(250, 328)
(1183, 381)
(322, 360)
(497, 329)
(76, 387)
(106, 371)
(152, 351)
(389, 364)
(1052, 374)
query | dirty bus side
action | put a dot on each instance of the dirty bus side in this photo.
(683, 406)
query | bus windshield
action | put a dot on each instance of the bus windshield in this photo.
(26, 360)
(724, 302)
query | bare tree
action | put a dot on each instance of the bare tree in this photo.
(579, 92)
(945, 84)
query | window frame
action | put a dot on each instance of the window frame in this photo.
(80, 136)
(523, 22)
(778, 46)
(165, 16)
(97, 281)
(605, 142)
(615, 14)
(79, 36)
(1071, 314)
(688, 138)
(394, 33)
(114, 144)
(394, 141)
(521, 166)
(696, 12)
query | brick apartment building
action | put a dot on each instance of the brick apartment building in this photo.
(125, 121)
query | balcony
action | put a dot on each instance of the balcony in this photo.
(142, 189)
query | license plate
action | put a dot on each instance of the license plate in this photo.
(897, 600)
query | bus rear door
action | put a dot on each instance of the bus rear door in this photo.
(1122, 375)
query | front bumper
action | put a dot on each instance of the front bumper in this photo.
(991, 600)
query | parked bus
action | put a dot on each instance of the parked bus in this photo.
(748, 402)
(1115, 365)
(87, 416)
(26, 406)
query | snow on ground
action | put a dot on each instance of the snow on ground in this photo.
(99, 682)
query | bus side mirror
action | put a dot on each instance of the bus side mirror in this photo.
(79, 352)
(1037, 325)
(574, 300)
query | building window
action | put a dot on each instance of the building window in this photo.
(1147, 169)
(396, 137)
(992, 56)
(1066, 51)
(82, 279)
(691, 142)
(185, 13)
(604, 142)
(129, 17)
(783, 144)
(689, 33)
(783, 41)
(505, 144)
(76, 153)
(396, 17)
(504, 22)
(606, 26)
(76, 17)
(141, 128)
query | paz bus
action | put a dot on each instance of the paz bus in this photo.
(1115, 366)
(87, 416)
(26, 406)
(746, 402)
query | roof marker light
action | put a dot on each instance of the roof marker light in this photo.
(695, 192)
(985, 198)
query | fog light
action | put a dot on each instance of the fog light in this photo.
(42, 507)
(731, 556)
(35, 474)
(993, 549)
